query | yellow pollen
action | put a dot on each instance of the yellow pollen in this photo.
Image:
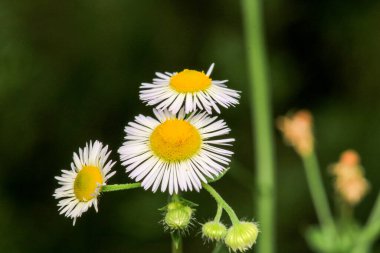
(190, 81)
(175, 140)
(87, 181)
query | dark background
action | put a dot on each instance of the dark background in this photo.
(70, 72)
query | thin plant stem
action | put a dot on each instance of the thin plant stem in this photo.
(176, 235)
(371, 230)
(120, 187)
(317, 190)
(176, 242)
(219, 213)
(261, 122)
(375, 214)
(346, 214)
(218, 247)
(231, 213)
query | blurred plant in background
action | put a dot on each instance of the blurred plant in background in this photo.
(350, 184)
(342, 233)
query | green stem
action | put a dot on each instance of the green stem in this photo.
(317, 191)
(219, 213)
(176, 235)
(375, 214)
(221, 202)
(120, 187)
(371, 230)
(175, 198)
(261, 122)
(176, 242)
(345, 213)
(218, 247)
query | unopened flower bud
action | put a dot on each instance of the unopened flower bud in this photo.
(350, 183)
(214, 230)
(350, 158)
(241, 236)
(178, 216)
(297, 131)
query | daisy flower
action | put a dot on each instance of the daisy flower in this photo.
(81, 185)
(173, 151)
(190, 89)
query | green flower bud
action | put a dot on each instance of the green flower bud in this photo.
(241, 236)
(214, 230)
(178, 216)
(174, 205)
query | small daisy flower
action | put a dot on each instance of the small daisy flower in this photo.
(81, 185)
(175, 152)
(189, 89)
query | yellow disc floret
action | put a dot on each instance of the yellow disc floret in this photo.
(190, 81)
(86, 183)
(175, 140)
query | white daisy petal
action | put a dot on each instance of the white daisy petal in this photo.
(209, 71)
(178, 154)
(165, 179)
(80, 187)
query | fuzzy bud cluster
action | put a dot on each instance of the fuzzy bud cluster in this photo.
(297, 130)
(239, 237)
(350, 183)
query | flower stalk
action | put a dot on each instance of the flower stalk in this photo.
(375, 214)
(218, 247)
(371, 230)
(177, 219)
(176, 242)
(219, 213)
(317, 191)
(221, 202)
(261, 122)
(120, 187)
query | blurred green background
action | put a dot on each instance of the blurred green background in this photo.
(70, 72)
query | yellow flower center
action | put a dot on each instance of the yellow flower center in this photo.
(190, 81)
(175, 140)
(87, 181)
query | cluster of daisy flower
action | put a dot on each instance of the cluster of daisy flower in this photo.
(181, 148)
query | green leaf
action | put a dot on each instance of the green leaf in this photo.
(188, 202)
(212, 180)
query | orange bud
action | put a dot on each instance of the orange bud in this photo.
(297, 131)
(350, 158)
(350, 183)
